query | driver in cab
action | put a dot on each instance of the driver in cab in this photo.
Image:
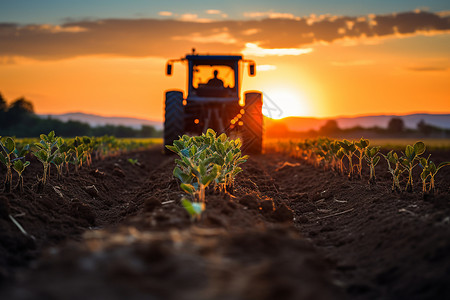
(215, 82)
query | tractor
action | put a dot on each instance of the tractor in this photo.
(213, 101)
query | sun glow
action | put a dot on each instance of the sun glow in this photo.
(282, 102)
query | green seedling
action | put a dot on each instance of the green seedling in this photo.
(7, 147)
(21, 150)
(19, 167)
(206, 160)
(361, 147)
(340, 164)
(408, 161)
(392, 158)
(58, 161)
(229, 158)
(87, 147)
(77, 149)
(134, 162)
(372, 158)
(196, 169)
(64, 152)
(324, 153)
(45, 154)
(429, 171)
(194, 209)
(349, 149)
(337, 154)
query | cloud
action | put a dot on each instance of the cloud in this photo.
(268, 34)
(270, 15)
(7, 60)
(255, 50)
(194, 18)
(213, 12)
(263, 68)
(444, 14)
(165, 13)
(53, 28)
(197, 37)
(251, 31)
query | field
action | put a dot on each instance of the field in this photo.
(289, 230)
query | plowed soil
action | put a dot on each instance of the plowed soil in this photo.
(288, 231)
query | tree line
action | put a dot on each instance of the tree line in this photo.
(19, 119)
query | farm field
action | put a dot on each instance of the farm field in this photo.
(288, 231)
(388, 143)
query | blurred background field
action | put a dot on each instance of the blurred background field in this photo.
(283, 144)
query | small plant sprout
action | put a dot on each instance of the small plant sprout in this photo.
(78, 153)
(408, 161)
(392, 158)
(21, 151)
(194, 209)
(429, 171)
(58, 161)
(19, 167)
(349, 149)
(193, 168)
(134, 162)
(361, 147)
(87, 147)
(372, 158)
(65, 154)
(7, 147)
(43, 152)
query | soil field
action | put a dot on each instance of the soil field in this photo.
(288, 231)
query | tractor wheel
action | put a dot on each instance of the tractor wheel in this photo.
(252, 131)
(173, 118)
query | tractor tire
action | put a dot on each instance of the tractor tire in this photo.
(252, 131)
(173, 118)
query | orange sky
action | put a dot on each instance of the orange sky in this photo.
(395, 73)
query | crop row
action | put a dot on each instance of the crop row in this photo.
(348, 158)
(206, 161)
(59, 152)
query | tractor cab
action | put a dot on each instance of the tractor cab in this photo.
(213, 100)
(213, 76)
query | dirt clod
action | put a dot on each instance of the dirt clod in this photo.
(117, 171)
(151, 203)
(283, 214)
(91, 190)
(250, 201)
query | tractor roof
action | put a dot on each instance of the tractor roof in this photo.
(214, 57)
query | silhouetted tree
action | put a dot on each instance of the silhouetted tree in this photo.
(19, 110)
(148, 131)
(427, 129)
(3, 104)
(123, 131)
(396, 125)
(330, 127)
(424, 128)
(3, 109)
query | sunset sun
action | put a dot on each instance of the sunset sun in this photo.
(281, 102)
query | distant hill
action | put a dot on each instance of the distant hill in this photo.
(96, 120)
(293, 123)
(305, 124)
